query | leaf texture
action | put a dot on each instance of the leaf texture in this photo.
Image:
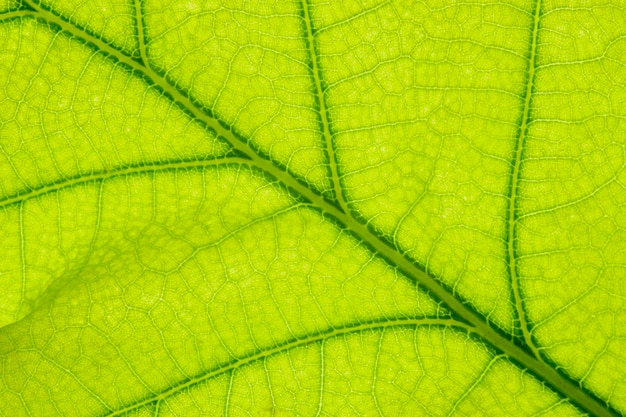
(310, 208)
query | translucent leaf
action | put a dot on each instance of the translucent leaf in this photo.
(312, 208)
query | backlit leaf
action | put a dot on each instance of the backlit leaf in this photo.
(312, 208)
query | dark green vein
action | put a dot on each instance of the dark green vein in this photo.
(514, 186)
(323, 110)
(285, 347)
(15, 14)
(554, 378)
(141, 34)
(113, 173)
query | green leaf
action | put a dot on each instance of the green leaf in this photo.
(360, 207)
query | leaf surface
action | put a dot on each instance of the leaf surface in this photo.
(312, 208)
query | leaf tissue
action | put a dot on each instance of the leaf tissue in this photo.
(312, 208)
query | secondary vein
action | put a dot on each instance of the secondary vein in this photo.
(514, 187)
(114, 173)
(293, 344)
(323, 110)
(141, 33)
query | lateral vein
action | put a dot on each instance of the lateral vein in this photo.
(141, 34)
(293, 344)
(323, 110)
(514, 188)
(104, 175)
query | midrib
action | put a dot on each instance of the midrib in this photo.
(559, 382)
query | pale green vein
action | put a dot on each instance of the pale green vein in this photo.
(72, 376)
(141, 33)
(317, 338)
(550, 375)
(478, 380)
(22, 257)
(269, 383)
(113, 173)
(323, 110)
(234, 232)
(354, 17)
(515, 177)
(229, 392)
(322, 371)
(375, 372)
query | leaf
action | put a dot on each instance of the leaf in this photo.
(362, 207)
